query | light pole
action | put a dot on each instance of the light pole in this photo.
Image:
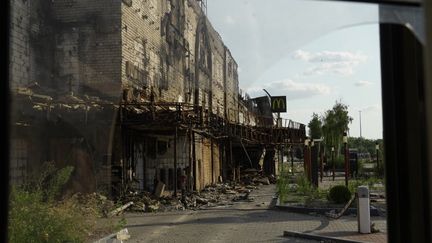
(333, 162)
(345, 141)
(305, 156)
(360, 124)
(278, 121)
(377, 159)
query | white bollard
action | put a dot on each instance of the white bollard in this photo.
(363, 210)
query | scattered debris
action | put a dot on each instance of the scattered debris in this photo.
(217, 195)
(160, 188)
(93, 203)
(221, 194)
(120, 209)
(123, 235)
(244, 197)
(152, 207)
(264, 181)
(272, 179)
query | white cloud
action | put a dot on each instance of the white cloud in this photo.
(362, 83)
(339, 68)
(302, 55)
(293, 90)
(336, 62)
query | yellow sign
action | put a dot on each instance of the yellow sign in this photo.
(278, 104)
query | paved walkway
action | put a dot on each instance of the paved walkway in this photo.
(243, 222)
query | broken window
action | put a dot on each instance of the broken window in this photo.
(135, 73)
(164, 72)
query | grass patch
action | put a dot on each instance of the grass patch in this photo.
(298, 189)
(37, 214)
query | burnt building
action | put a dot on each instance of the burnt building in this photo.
(132, 92)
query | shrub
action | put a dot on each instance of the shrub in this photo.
(49, 181)
(31, 219)
(339, 194)
(282, 186)
(35, 216)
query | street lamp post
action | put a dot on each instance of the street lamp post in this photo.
(377, 158)
(305, 156)
(333, 162)
(345, 141)
(360, 124)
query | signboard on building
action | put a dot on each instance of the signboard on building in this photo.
(278, 104)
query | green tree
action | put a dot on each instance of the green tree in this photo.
(315, 126)
(335, 123)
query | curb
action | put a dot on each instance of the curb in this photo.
(323, 211)
(306, 210)
(326, 239)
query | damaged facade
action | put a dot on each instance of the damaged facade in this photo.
(131, 93)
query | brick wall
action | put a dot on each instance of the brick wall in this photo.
(87, 46)
(19, 43)
(159, 41)
(232, 88)
(141, 44)
(101, 47)
(93, 46)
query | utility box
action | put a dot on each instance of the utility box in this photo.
(363, 210)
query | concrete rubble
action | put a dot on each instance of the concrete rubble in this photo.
(217, 195)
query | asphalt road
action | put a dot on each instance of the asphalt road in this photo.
(241, 222)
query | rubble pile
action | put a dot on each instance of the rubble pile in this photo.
(221, 194)
(254, 177)
(211, 196)
(217, 195)
(93, 204)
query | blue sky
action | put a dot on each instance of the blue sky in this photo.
(314, 52)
